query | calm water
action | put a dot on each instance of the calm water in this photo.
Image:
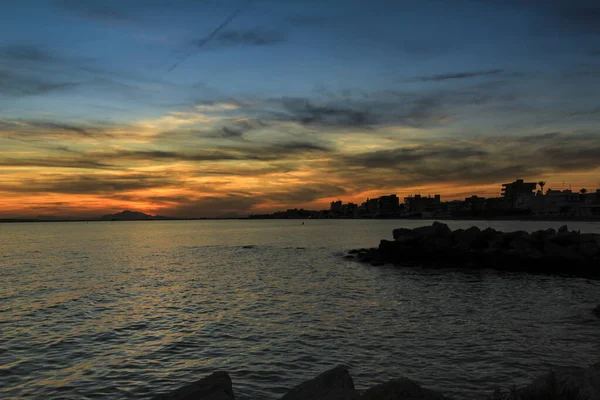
(130, 309)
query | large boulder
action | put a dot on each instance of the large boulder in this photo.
(334, 384)
(216, 386)
(566, 383)
(468, 237)
(425, 231)
(441, 229)
(558, 252)
(435, 229)
(588, 249)
(402, 232)
(543, 235)
(401, 389)
(487, 236)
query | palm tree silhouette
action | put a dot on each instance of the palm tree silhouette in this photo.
(583, 191)
(542, 184)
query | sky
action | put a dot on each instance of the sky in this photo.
(205, 108)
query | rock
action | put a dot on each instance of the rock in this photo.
(521, 243)
(554, 250)
(401, 389)
(588, 249)
(588, 237)
(443, 243)
(425, 231)
(334, 384)
(461, 247)
(401, 232)
(597, 311)
(565, 381)
(367, 255)
(349, 257)
(563, 229)
(435, 229)
(469, 236)
(487, 235)
(442, 229)
(499, 242)
(541, 235)
(216, 386)
(407, 239)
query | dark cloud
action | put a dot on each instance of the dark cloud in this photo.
(250, 37)
(32, 70)
(306, 193)
(78, 130)
(54, 162)
(476, 161)
(460, 75)
(364, 112)
(34, 130)
(236, 129)
(94, 184)
(405, 156)
(249, 151)
(26, 53)
(17, 85)
(307, 113)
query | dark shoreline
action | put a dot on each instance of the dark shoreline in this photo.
(515, 219)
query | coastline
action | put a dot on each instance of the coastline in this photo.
(462, 218)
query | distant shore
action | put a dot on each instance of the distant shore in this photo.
(549, 218)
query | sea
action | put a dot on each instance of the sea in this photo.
(129, 310)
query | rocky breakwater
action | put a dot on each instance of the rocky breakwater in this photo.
(437, 246)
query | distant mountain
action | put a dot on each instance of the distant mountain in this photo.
(128, 215)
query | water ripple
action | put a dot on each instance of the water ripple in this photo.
(105, 310)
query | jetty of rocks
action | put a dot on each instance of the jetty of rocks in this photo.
(437, 246)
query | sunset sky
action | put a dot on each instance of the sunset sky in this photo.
(147, 105)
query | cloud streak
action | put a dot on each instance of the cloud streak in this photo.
(213, 34)
(19, 85)
(460, 75)
(250, 37)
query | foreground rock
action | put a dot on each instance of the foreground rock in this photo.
(216, 386)
(564, 383)
(570, 381)
(335, 384)
(401, 389)
(544, 251)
